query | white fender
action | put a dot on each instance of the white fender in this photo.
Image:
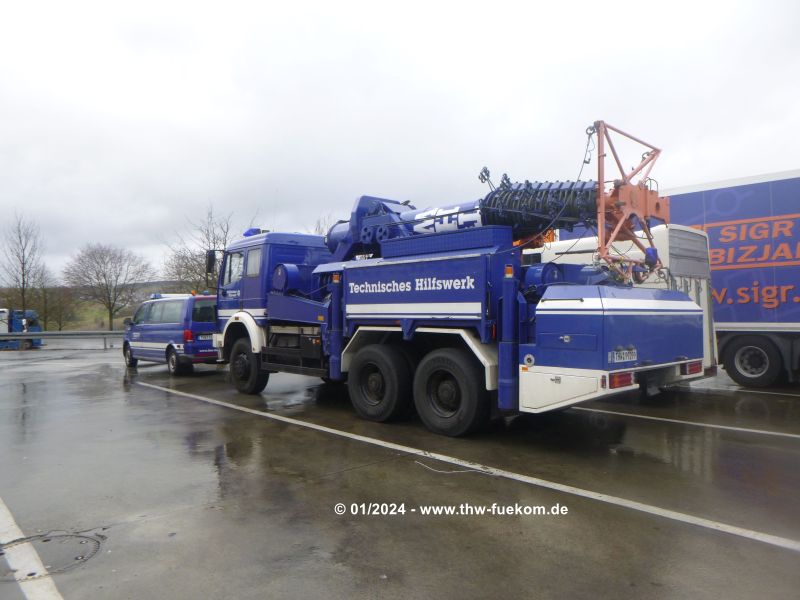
(485, 353)
(257, 337)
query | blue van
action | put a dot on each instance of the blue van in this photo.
(172, 328)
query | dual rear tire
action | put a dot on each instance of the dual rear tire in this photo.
(447, 388)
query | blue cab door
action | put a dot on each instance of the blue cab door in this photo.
(229, 300)
(252, 283)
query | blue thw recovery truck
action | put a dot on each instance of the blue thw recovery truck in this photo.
(434, 310)
(753, 228)
(18, 321)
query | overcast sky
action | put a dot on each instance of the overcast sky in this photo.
(118, 121)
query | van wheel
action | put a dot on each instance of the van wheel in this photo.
(379, 383)
(450, 394)
(245, 370)
(173, 364)
(128, 354)
(753, 361)
(27, 344)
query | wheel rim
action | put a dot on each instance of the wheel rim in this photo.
(444, 394)
(751, 361)
(173, 361)
(240, 367)
(373, 384)
(127, 355)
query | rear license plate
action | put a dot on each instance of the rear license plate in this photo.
(204, 337)
(618, 356)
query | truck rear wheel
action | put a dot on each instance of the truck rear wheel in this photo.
(753, 361)
(379, 383)
(245, 370)
(449, 393)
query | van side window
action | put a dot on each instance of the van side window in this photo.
(253, 262)
(141, 314)
(155, 312)
(233, 267)
(173, 312)
(203, 311)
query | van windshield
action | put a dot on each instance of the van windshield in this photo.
(203, 311)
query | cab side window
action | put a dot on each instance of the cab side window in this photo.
(141, 314)
(253, 262)
(233, 267)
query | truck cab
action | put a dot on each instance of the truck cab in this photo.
(18, 321)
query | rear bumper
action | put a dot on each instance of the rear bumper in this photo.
(542, 389)
(205, 356)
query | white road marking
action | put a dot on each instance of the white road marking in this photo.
(24, 559)
(692, 423)
(758, 536)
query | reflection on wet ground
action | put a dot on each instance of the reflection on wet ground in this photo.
(203, 501)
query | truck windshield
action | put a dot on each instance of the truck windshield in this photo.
(203, 311)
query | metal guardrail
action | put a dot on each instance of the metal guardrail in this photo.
(36, 335)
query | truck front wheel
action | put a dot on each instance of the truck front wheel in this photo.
(753, 361)
(450, 394)
(245, 370)
(379, 383)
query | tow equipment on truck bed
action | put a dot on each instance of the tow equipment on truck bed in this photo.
(435, 305)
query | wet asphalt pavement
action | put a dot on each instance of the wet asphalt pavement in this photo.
(179, 498)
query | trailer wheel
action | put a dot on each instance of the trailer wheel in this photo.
(245, 370)
(449, 393)
(753, 361)
(379, 383)
(128, 354)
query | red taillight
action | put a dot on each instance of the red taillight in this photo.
(618, 380)
(692, 368)
(188, 336)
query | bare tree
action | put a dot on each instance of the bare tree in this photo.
(187, 261)
(108, 276)
(23, 257)
(41, 294)
(322, 225)
(56, 304)
(63, 306)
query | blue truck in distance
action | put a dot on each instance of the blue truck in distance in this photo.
(753, 228)
(19, 321)
(433, 310)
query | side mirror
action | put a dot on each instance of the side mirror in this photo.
(211, 260)
(127, 321)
